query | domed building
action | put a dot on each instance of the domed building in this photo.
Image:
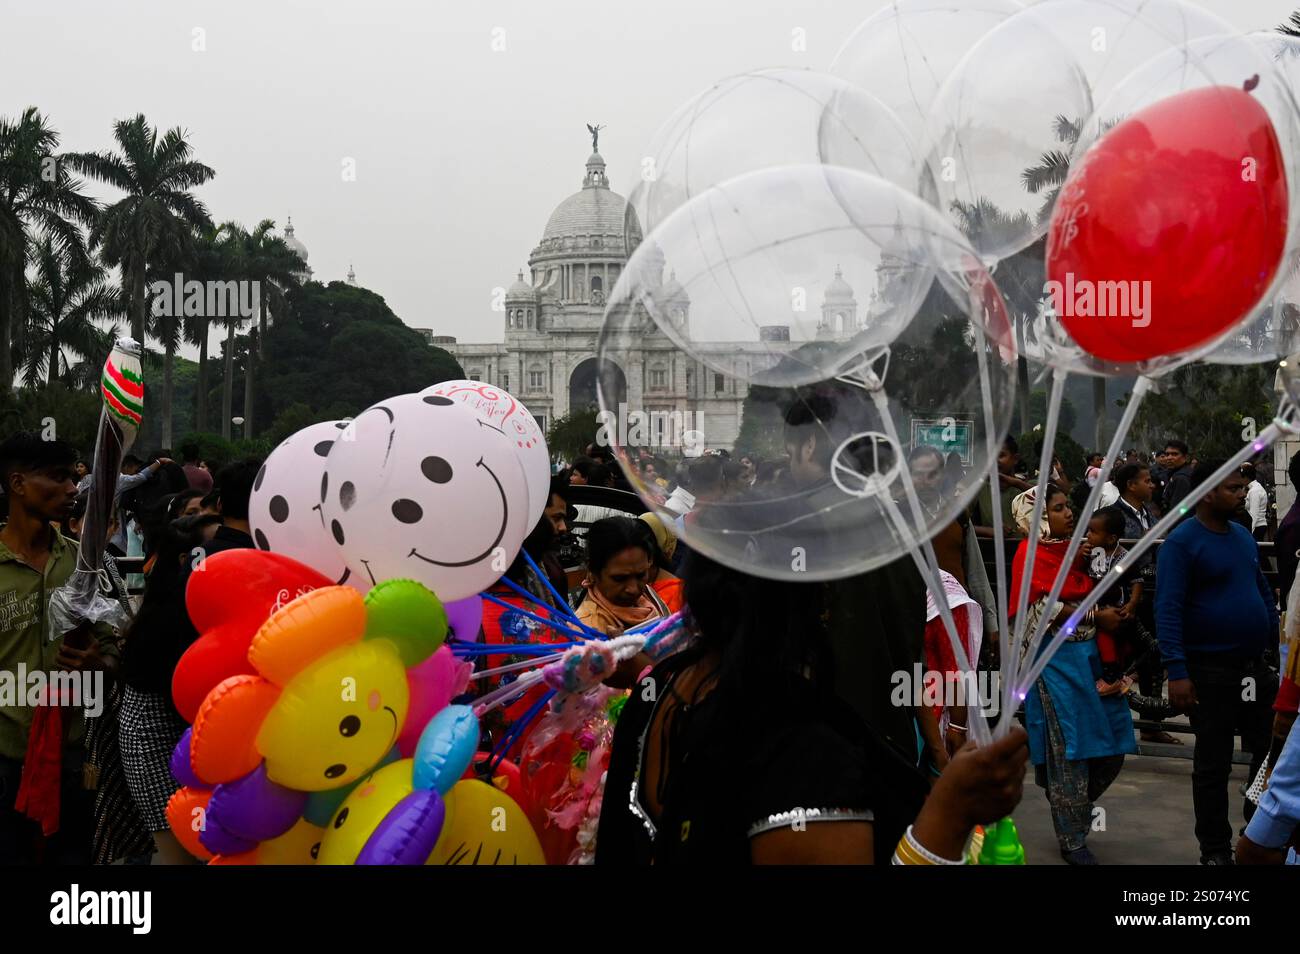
(298, 249)
(554, 313)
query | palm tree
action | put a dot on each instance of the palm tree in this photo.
(37, 197)
(232, 245)
(1053, 166)
(156, 217)
(67, 296)
(1292, 25)
(211, 260)
(275, 267)
(1050, 174)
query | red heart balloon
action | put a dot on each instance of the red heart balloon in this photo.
(228, 601)
(1171, 227)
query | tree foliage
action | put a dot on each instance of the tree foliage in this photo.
(341, 350)
(569, 435)
(1207, 405)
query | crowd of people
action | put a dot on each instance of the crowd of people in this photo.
(785, 684)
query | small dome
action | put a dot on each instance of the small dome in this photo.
(673, 290)
(839, 289)
(521, 290)
(290, 240)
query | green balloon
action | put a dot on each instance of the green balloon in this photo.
(409, 616)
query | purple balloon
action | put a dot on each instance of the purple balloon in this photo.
(219, 841)
(408, 833)
(254, 807)
(180, 764)
(464, 617)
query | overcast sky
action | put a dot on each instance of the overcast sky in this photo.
(461, 151)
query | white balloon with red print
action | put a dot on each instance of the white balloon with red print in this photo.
(502, 410)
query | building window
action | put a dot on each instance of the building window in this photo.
(596, 283)
(536, 380)
(505, 380)
(541, 421)
(719, 384)
(475, 374)
(658, 379)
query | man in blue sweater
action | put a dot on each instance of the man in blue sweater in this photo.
(1215, 618)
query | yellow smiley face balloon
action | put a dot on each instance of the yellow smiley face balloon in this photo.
(297, 846)
(336, 718)
(485, 826)
(356, 819)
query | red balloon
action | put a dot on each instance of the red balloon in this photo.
(228, 601)
(1171, 227)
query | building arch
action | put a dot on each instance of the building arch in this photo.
(585, 377)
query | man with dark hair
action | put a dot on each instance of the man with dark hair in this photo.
(808, 443)
(1009, 486)
(1256, 503)
(1176, 459)
(37, 477)
(198, 477)
(230, 493)
(1286, 543)
(1215, 619)
(580, 470)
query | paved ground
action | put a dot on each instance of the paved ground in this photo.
(1148, 815)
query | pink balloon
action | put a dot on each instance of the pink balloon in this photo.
(433, 684)
(465, 617)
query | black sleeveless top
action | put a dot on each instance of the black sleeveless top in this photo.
(729, 770)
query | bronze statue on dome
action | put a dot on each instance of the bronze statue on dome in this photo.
(595, 136)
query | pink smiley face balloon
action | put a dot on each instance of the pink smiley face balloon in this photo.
(501, 410)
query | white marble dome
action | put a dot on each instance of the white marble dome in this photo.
(594, 210)
(292, 241)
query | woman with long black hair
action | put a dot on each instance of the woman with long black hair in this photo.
(751, 746)
(149, 725)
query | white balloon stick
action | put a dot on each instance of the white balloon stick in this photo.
(1040, 503)
(999, 544)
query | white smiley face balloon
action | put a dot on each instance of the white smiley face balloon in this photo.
(416, 487)
(502, 410)
(284, 508)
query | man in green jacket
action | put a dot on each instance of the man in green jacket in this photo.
(39, 482)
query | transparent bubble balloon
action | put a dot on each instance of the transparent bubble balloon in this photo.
(1109, 39)
(784, 257)
(1241, 66)
(777, 117)
(861, 464)
(995, 144)
(1271, 332)
(903, 54)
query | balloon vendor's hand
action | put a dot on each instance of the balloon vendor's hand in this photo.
(982, 785)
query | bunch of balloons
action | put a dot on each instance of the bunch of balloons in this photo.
(333, 690)
(440, 487)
